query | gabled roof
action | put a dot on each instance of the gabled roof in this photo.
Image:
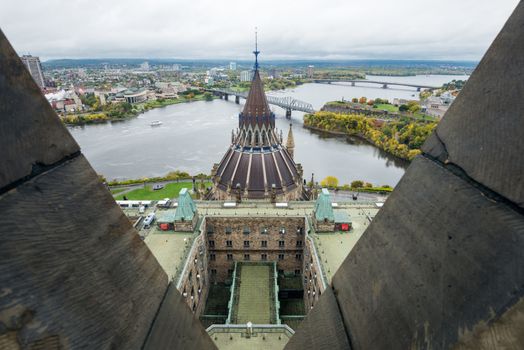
(186, 207)
(323, 207)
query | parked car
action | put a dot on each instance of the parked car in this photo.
(157, 187)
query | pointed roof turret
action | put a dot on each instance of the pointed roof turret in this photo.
(324, 208)
(256, 110)
(290, 143)
(256, 102)
(186, 208)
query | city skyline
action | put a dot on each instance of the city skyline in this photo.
(292, 30)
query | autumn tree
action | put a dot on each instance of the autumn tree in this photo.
(362, 100)
(330, 182)
(413, 106)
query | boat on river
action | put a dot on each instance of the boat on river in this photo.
(156, 123)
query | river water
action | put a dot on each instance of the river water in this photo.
(195, 135)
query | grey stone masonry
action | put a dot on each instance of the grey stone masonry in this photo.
(442, 265)
(32, 137)
(74, 274)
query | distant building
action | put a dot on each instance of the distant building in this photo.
(135, 96)
(144, 66)
(310, 71)
(246, 75)
(35, 68)
(65, 101)
(232, 66)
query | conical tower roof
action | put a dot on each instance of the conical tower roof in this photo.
(257, 165)
(256, 102)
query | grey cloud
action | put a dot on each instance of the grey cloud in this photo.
(447, 29)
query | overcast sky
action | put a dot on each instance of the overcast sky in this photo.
(328, 29)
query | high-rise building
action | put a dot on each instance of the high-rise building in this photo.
(246, 75)
(232, 66)
(310, 70)
(35, 68)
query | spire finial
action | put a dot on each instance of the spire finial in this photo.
(256, 52)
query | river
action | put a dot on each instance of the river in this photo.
(195, 135)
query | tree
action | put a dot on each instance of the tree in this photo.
(354, 100)
(208, 96)
(362, 100)
(403, 108)
(371, 103)
(357, 184)
(330, 182)
(368, 185)
(413, 106)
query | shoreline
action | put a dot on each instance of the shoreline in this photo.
(357, 135)
(142, 111)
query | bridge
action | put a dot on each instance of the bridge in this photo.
(287, 103)
(385, 84)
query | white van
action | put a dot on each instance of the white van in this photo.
(149, 220)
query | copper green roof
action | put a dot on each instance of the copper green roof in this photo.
(165, 216)
(341, 217)
(323, 207)
(186, 207)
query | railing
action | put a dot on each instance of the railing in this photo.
(242, 328)
(325, 280)
(276, 314)
(232, 296)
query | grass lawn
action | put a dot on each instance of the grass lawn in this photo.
(117, 190)
(254, 298)
(387, 107)
(169, 191)
(423, 116)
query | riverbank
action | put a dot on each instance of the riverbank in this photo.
(401, 138)
(379, 108)
(129, 112)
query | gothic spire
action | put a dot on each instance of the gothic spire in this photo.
(256, 52)
(290, 144)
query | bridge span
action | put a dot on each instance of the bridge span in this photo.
(287, 103)
(385, 84)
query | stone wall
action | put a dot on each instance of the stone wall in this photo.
(219, 230)
(312, 277)
(195, 279)
(74, 273)
(186, 226)
(441, 265)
